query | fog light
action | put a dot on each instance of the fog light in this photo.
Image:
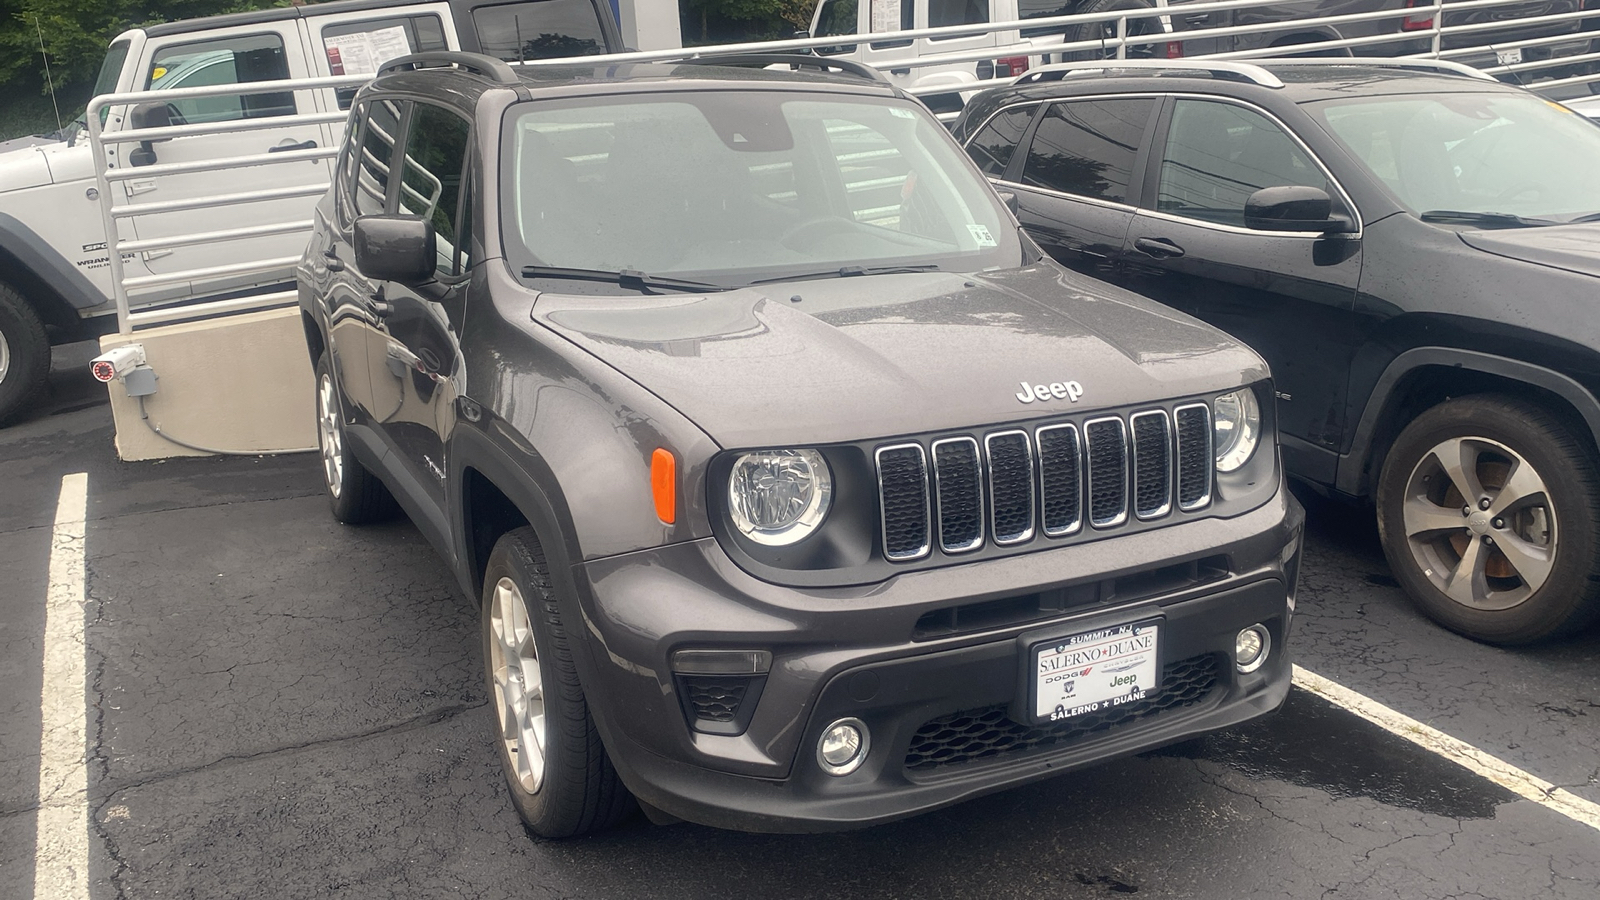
(1250, 648)
(843, 747)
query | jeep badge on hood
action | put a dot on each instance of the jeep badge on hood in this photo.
(1060, 390)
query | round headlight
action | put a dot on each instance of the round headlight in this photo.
(1236, 420)
(778, 497)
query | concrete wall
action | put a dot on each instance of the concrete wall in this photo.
(240, 383)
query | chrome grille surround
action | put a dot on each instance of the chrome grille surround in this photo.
(1010, 490)
(919, 485)
(1188, 418)
(957, 486)
(1152, 464)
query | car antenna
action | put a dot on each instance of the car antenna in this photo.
(48, 80)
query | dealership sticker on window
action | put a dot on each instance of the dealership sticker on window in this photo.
(363, 52)
(981, 234)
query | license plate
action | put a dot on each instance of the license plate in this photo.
(1096, 670)
(1508, 57)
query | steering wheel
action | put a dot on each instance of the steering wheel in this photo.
(808, 232)
(1519, 189)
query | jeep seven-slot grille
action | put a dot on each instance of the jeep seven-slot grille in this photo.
(1010, 484)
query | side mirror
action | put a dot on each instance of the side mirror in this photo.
(1293, 207)
(148, 115)
(1009, 198)
(395, 248)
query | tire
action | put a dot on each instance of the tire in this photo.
(24, 354)
(1090, 31)
(567, 785)
(355, 495)
(1517, 565)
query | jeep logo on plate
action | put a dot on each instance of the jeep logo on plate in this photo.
(1058, 390)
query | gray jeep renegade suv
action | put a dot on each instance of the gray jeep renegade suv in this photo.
(801, 490)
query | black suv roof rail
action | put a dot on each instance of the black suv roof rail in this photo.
(488, 67)
(796, 60)
(1436, 66)
(1233, 71)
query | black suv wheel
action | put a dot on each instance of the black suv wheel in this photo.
(1489, 510)
(24, 353)
(356, 495)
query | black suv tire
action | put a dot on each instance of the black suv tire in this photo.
(24, 353)
(1529, 537)
(572, 787)
(355, 495)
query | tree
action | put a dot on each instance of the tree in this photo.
(717, 21)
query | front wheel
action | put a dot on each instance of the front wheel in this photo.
(560, 778)
(1489, 512)
(24, 353)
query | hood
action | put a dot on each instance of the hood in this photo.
(24, 167)
(1575, 248)
(844, 359)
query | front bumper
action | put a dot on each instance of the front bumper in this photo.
(935, 702)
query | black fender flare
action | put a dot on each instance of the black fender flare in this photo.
(54, 285)
(1353, 473)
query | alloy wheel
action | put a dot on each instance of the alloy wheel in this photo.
(518, 685)
(331, 436)
(1480, 523)
(5, 356)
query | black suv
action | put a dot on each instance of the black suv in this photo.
(1409, 244)
(800, 489)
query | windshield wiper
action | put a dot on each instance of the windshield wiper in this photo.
(851, 272)
(632, 279)
(1492, 219)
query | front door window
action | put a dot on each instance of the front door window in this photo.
(1218, 154)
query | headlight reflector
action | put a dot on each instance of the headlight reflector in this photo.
(777, 497)
(1236, 421)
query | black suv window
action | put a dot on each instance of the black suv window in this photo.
(430, 184)
(994, 146)
(547, 29)
(231, 60)
(378, 131)
(1087, 147)
(1218, 154)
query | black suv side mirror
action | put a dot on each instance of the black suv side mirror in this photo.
(1293, 207)
(148, 115)
(395, 248)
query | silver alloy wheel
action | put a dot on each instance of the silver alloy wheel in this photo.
(518, 684)
(330, 436)
(1480, 523)
(5, 357)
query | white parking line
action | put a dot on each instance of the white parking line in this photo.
(1459, 752)
(61, 848)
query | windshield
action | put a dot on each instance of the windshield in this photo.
(734, 187)
(1509, 154)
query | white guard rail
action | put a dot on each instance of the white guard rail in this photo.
(1432, 29)
(116, 204)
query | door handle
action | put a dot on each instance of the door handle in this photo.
(334, 263)
(285, 148)
(1160, 248)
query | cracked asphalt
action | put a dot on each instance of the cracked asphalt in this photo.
(279, 706)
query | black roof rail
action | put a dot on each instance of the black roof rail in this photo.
(796, 60)
(478, 64)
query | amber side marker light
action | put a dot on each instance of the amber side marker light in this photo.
(664, 484)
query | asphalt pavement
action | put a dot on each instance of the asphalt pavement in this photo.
(279, 706)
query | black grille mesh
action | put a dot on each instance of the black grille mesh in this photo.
(1194, 455)
(986, 733)
(715, 698)
(1010, 485)
(1108, 481)
(1152, 464)
(955, 467)
(903, 481)
(1060, 479)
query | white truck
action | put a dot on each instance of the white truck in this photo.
(55, 283)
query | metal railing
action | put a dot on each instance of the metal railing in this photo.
(117, 206)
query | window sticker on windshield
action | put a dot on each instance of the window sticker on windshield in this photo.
(902, 113)
(981, 234)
